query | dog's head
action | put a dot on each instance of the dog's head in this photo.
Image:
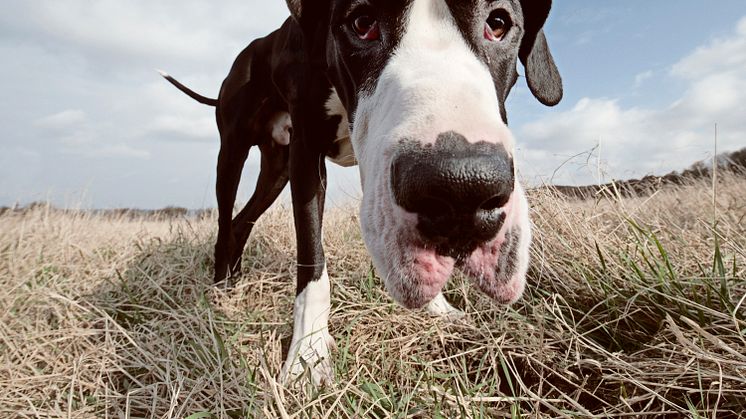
(424, 83)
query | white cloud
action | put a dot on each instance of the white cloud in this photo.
(638, 141)
(63, 120)
(76, 134)
(201, 128)
(87, 108)
(643, 77)
(87, 102)
(175, 116)
(118, 150)
(720, 55)
(71, 128)
(141, 28)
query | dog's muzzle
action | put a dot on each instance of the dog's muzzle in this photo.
(457, 189)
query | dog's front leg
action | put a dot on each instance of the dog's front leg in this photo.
(309, 348)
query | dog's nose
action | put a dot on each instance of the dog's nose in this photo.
(456, 188)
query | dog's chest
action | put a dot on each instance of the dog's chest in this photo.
(341, 152)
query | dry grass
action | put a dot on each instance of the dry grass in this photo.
(635, 306)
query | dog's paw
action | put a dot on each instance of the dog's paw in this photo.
(440, 308)
(309, 360)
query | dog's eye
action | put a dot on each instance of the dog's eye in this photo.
(498, 24)
(366, 27)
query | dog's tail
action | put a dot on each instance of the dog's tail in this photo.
(191, 93)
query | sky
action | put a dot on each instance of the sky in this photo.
(88, 122)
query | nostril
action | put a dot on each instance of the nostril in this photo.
(432, 208)
(435, 217)
(457, 189)
(496, 202)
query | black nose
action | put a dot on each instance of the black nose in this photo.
(456, 188)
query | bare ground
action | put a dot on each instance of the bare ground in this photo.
(635, 308)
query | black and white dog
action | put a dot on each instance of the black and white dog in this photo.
(413, 91)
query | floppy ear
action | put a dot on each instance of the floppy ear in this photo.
(542, 75)
(295, 8)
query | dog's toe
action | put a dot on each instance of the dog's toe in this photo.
(440, 308)
(309, 359)
(317, 371)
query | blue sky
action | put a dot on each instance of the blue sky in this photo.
(602, 46)
(87, 121)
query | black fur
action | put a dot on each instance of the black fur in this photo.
(293, 70)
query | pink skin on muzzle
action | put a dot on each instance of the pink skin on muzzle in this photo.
(494, 266)
(413, 274)
(422, 277)
(416, 273)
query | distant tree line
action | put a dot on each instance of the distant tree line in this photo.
(727, 163)
(732, 163)
(167, 213)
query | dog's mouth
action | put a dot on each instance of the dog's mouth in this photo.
(457, 237)
(416, 266)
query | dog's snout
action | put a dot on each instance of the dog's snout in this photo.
(458, 189)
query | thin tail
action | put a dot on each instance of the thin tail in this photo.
(191, 93)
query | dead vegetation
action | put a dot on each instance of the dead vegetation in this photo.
(635, 307)
(732, 164)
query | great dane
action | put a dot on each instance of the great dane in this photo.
(413, 92)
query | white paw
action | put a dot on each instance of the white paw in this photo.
(309, 350)
(439, 307)
(309, 358)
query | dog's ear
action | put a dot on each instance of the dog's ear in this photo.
(295, 8)
(311, 15)
(542, 75)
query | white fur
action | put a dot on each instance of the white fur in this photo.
(334, 107)
(521, 218)
(434, 83)
(439, 307)
(311, 341)
(280, 125)
(504, 285)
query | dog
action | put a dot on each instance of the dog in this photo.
(413, 92)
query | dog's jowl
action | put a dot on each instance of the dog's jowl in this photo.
(413, 92)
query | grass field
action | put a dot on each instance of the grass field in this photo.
(635, 307)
